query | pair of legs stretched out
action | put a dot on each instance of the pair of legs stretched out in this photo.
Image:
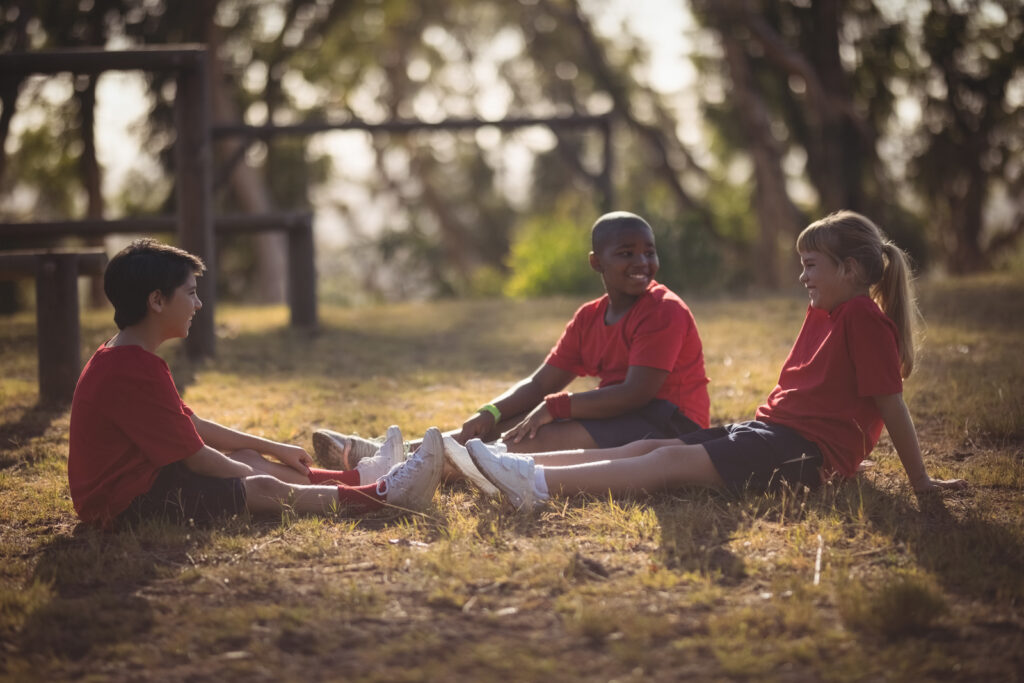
(658, 419)
(750, 454)
(387, 479)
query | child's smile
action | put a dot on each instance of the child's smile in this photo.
(628, 263)
(827, 284)
(183, 306)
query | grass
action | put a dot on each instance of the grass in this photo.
(687, 584)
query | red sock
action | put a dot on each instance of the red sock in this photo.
(347, 477)
(360, 498)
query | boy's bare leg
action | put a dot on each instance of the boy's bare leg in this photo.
(265, 494)
(664, 467)
(271, 467)
(555, 436)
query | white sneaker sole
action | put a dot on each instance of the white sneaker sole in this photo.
(458, 457)
(391, 452)
(329, 449)
(520, 500)
(418, 494)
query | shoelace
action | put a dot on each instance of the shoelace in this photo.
(400, 470)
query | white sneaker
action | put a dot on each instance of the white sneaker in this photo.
(411, 484)
(511, 473)
(458, 457)
(391, 452)
(329, 449)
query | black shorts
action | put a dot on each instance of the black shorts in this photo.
(181, 496)
(659, 419)
(758, 455)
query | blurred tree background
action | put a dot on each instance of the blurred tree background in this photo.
(910, 112)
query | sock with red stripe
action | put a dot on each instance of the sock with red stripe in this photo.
(360, 498)
(347, 477)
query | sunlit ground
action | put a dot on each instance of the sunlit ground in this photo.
(687, 584)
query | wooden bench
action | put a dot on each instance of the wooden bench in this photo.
(58, 330)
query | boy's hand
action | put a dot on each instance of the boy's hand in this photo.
(531, 424)
(295, 457)
(929, 485)
(476, 427)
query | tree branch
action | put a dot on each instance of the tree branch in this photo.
(656, 139)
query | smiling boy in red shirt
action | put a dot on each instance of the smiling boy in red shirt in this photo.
(639, 339)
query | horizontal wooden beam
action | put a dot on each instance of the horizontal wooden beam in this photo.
(26, 262)
(93, 60)
(407, 125)
(228, 224)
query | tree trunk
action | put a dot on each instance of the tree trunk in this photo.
(833, 156)
(247, 183)
(91, 173)
(966, 200)
(9, 87)
(778, 217)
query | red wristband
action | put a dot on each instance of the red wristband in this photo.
(559, 405)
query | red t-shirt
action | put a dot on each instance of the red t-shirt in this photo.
(658, 332)
(840, 360)
(127, 421)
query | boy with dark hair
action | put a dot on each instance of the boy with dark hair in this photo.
(639, 339)
(136, 450)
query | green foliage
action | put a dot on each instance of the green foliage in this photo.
(691, 261)
(550, 256)
(45, 162)
(445, 204)
(972, 133)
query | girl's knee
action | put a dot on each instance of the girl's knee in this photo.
(668, 454)
(685, 464)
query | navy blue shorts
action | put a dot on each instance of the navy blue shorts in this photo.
(659, 419)
(758, 455)
(181, 496)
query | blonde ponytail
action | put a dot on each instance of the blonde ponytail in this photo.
(894, 294)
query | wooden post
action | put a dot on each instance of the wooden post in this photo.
(607, 177)
(195, 205)
(58, 339)
(58, 336)
(302, 274)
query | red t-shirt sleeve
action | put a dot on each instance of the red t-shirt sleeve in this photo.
(871, 340)
(659, 336)
(567, 353)
(147, 408)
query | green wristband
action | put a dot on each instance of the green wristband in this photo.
(493, 410)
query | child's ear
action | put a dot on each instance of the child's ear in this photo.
(595, 263)
(156, 300)
(851, 268)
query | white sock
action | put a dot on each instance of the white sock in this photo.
(540, 484)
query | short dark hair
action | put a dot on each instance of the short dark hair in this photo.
(141, 268)
(608, 225)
